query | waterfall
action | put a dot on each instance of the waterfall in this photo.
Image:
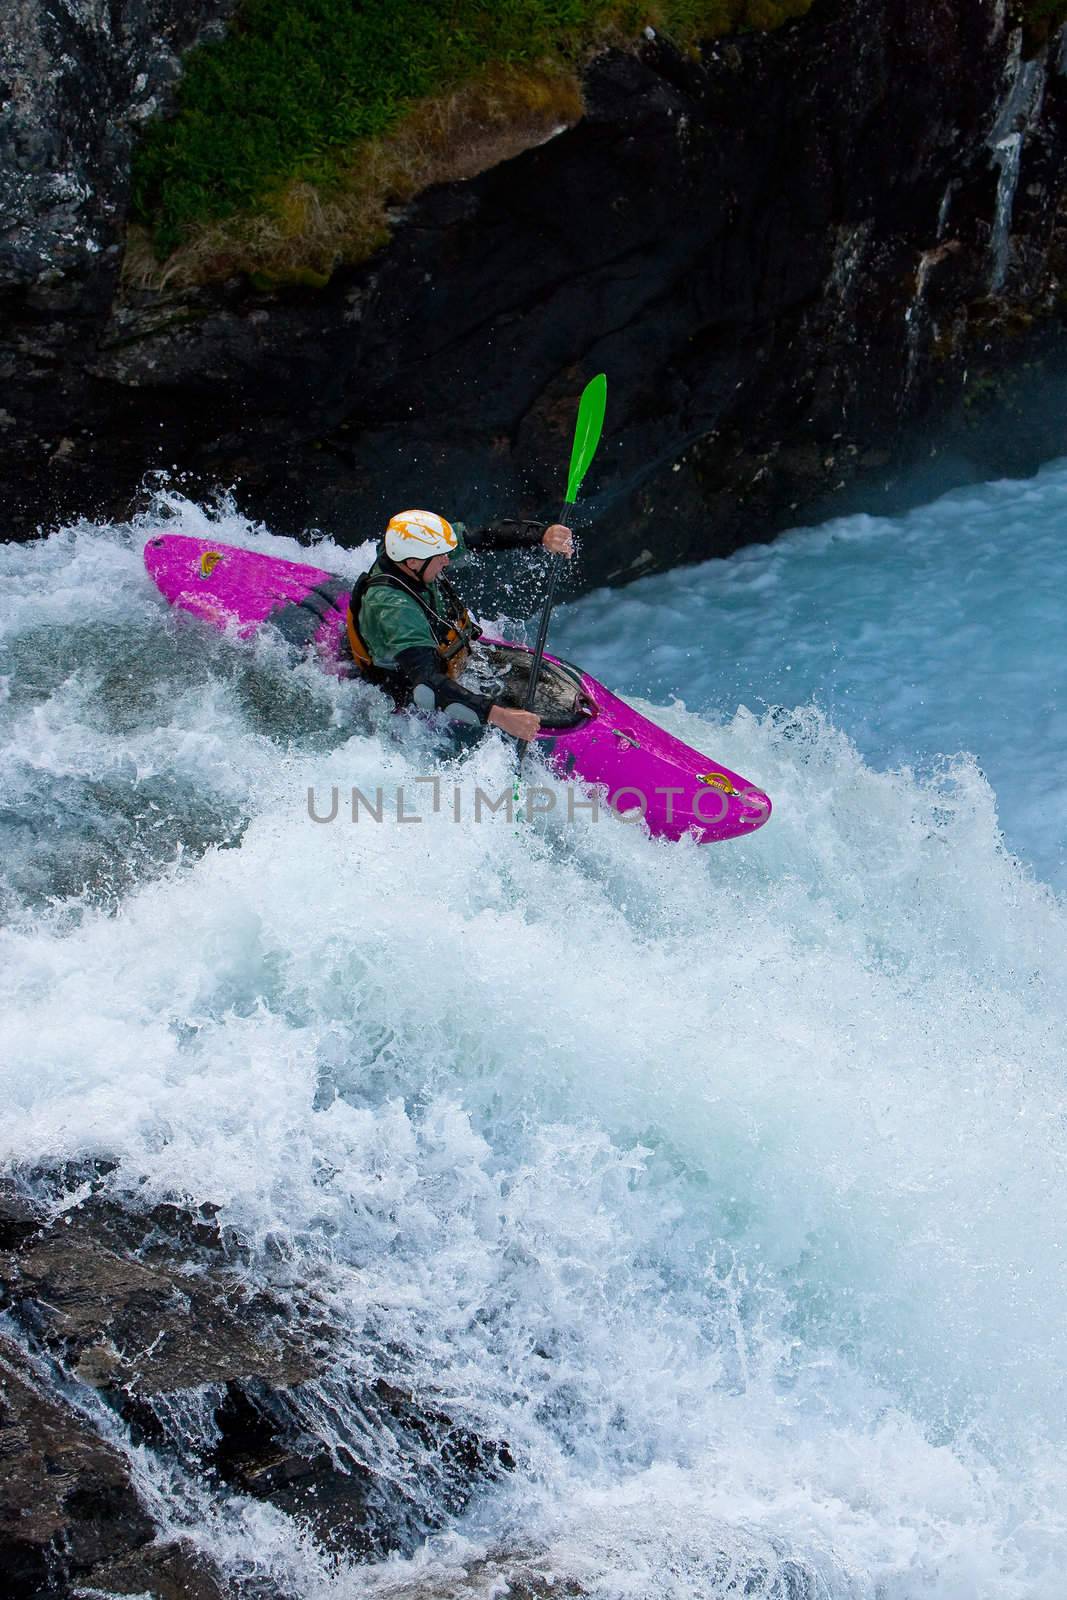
(914, 314)
(945, 207)
(1017, 116)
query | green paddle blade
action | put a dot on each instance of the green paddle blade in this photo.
(586, 432)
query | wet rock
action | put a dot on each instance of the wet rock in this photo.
(174, 1571)
(66, 1501)
(246, 1391)
(78, 82)
(746, 1565)
(19, 1217)
(503, 1575)
(139, 1328)
(266, 1447)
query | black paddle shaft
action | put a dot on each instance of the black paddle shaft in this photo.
(542, 635)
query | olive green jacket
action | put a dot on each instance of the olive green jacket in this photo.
(391, 621)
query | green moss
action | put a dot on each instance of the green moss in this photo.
(293, 278)
(298, 85)
(1040, 18)
(1051, 12)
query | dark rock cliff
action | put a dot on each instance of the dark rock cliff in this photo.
(805, 262)
(76, 82)
(123, 1331)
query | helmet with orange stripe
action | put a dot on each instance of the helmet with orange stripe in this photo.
(419, 536)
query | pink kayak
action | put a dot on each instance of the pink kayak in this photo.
(587, 733)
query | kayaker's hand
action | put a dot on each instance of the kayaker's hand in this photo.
(559, 540)
(520, 724)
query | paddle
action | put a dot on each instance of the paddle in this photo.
(586, 438)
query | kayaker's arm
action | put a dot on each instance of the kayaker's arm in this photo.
(508, 535)
(434, 690)
(519, 535)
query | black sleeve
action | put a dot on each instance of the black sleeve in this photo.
(421, 666)
(513, 535)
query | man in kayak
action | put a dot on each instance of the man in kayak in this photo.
(409, 631)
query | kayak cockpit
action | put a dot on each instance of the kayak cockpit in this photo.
(502, 671)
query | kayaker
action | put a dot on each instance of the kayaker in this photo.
(409, 631)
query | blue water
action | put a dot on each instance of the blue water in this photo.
(725, 1183)
(921, 637)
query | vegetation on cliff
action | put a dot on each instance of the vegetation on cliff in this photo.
(295, 133)
(1041, 18)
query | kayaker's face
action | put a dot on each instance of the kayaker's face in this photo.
(433, 569)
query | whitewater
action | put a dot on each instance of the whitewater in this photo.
(725, 1183)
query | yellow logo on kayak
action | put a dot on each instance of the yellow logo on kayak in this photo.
(717, 780)
(209, 561)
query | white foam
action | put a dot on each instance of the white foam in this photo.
(725, 1183)
(921, 636)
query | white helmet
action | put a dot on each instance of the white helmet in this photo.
(419, 535)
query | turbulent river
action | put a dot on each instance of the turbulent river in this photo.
(728, 1184)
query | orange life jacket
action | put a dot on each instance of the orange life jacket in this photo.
(453, 634)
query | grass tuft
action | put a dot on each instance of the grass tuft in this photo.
(296, 133)
(1040, 18)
